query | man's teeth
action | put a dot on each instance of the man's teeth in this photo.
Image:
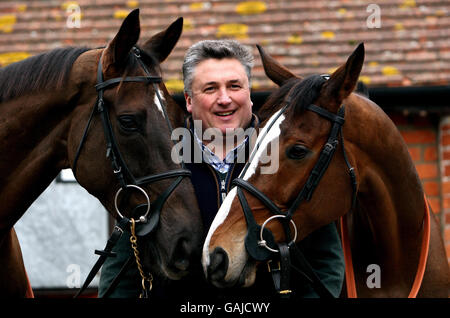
(225, 114)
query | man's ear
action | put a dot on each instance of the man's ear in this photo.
(118, 49)
(343, 81)
(161, 44)
(188, 102)
(274, 70)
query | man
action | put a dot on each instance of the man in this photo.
(217, 91)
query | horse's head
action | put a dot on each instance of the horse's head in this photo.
(127, 144)
(298, 134)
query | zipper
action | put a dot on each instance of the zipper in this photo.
(223, 187)
(222, 182)
(216, 177)
(223, 191)
(225, 182)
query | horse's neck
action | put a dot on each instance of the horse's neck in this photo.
(32, 151)
(388, 219)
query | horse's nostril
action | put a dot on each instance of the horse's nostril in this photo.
(218, 266)
(182, 255)
(181, 264)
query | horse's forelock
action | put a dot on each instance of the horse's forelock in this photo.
(304, 93)
(276, 100)
(298, 93)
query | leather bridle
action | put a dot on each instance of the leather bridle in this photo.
(259, 242)
(146, 222)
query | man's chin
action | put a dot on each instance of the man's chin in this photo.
(227, 130)
(230, 131)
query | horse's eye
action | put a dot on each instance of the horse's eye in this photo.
(297, 152)
(129, 123)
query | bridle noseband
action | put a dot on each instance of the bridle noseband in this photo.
(149, 214)
(259, 241)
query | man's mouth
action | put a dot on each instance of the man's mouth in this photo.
(224, 114)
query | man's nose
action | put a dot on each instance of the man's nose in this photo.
(223, 98)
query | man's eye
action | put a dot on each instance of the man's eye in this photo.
(208, 89)
(129, 123)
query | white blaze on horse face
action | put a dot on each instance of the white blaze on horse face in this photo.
(158, 103)
(264, 139)
(218, 220)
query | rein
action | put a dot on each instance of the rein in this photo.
(146, 222)
(349, 271)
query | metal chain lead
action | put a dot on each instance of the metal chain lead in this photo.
(146, 280)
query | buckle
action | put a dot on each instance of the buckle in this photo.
(136, 52)
(270, 268)
(119, 229)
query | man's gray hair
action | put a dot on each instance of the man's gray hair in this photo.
(216, 49)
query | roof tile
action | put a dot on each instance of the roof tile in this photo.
(410, 47)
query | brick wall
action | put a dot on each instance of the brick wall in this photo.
(444, 156)
(428, 141)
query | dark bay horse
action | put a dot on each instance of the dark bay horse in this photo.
(46, 102)
(389, 217)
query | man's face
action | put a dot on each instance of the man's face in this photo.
(220, 95)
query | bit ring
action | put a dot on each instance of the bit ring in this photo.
(142, 218)
(263, 243)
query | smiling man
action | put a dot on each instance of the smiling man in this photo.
(217, 90)
(220, 94)
(216, 77)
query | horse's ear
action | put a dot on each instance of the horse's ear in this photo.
(343, 81)
(274, 70)
(161, 44)
(118, 49)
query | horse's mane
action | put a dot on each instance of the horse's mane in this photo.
(49, 70)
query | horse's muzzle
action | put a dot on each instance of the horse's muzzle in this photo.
(184, 255)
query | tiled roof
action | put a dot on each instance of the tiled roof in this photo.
(410, 48)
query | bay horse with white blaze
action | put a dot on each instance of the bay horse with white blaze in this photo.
(66, 108)
(326, 169)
